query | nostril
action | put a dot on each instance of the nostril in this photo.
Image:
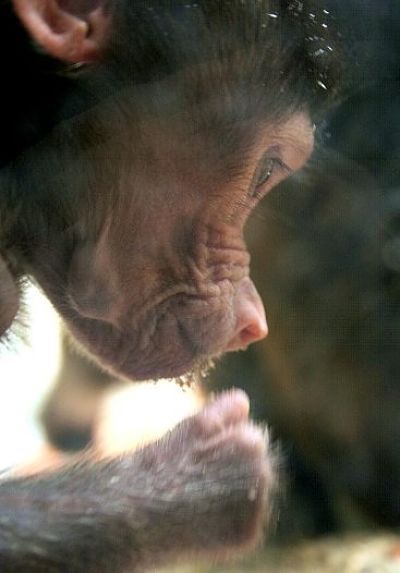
(253, 331)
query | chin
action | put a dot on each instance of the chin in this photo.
(186, 368)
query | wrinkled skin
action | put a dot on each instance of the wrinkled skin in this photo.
(160, 282)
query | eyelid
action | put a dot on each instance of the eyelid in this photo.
(281, 164)
(275, 153)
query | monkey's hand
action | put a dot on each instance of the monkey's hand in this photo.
(209, 480)
(201, 489)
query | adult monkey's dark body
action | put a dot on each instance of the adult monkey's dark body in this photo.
(129, 214)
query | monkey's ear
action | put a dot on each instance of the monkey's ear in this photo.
(69, 30)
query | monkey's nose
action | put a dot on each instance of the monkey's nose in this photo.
(251, 324)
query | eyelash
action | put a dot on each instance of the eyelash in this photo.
(264, 175)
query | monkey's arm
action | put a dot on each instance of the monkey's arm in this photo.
(201, 489)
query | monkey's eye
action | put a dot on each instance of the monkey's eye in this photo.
(264, 174)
